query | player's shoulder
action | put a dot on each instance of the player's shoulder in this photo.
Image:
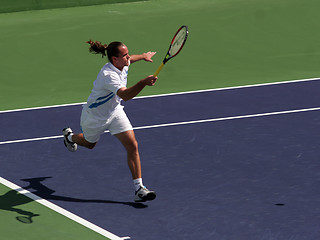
(107, 70)
(107, 67)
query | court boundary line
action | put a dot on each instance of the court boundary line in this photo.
(181, 123)
(172, 94)
(61, 210)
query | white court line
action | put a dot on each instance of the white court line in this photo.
(172, 94)
(181, 123)
(60, 210)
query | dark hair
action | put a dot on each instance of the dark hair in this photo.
(111, 50)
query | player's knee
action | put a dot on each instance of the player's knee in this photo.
(132, 146)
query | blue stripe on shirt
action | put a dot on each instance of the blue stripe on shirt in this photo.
(107, 98)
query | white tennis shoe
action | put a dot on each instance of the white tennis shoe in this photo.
(72, 147)
(144, 194)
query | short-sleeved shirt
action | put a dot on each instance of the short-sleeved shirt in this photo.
(103, 99)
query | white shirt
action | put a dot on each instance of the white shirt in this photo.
(103, 99)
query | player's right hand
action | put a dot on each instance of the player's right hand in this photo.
(150, 80)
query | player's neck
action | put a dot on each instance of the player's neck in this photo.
(119, 67)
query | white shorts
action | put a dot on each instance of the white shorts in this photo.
(93, 128)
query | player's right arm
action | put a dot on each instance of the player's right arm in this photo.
(129, 93)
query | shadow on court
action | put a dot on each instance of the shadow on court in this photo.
(46, 193)
(11, 199)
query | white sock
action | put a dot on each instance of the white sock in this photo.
(70, 137)
(137, 183)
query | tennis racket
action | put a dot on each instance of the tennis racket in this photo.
(176, 45)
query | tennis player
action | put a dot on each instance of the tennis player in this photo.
(103, 110)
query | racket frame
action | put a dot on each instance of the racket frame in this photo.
(168, 55)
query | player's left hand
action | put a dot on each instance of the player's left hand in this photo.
(147, 56)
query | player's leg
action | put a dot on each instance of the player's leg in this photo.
(130, 143)
(80, 140)
(91, 131)
(71, 140)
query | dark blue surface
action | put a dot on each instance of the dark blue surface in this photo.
(243, 179)
(166, 109)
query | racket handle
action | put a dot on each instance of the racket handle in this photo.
(158, 70)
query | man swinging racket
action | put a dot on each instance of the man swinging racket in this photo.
(103, 110)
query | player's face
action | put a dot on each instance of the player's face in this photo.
(123, 58)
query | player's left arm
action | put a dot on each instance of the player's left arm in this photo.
(144, 56)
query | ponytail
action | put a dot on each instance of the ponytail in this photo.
(111, 50)
(97, 48)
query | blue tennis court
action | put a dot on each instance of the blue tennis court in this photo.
(234, 163)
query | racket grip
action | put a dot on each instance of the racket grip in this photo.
(158, 70)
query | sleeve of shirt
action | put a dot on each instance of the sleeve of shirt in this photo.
(112, 82)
